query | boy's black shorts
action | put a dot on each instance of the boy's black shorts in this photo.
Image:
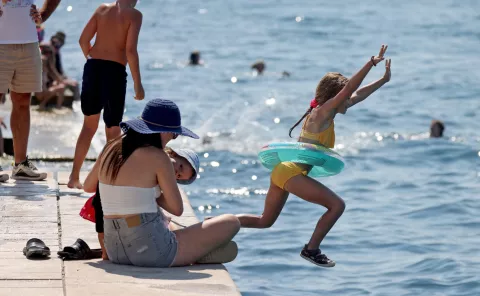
(104, 86)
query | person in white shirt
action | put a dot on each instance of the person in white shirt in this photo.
(21, 72)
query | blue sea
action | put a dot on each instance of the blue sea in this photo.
(412, 223)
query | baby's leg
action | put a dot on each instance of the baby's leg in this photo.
(274, 202)
(315, 192)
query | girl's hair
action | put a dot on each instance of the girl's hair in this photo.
(119, 150)
(328, 87)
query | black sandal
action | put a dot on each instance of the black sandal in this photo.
(36, 248)
(79, 251)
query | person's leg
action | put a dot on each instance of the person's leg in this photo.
(60, 94)
(315, 192)
(73, 86)
(114, 89)
(1, 140)
(27, 79)
(112, 132)
(197, 240)
(91, 107)
(274, 202)
(3, 177)
(44, 98)
(89, 128)
(20, 124)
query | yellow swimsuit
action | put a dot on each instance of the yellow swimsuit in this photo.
(287, 170)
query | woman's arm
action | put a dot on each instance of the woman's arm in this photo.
(90, 184)
(329, 109)
(171, 199)
(363, 92)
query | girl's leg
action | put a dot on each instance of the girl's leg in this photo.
(315, 192)
(197, 240)
(274, 202)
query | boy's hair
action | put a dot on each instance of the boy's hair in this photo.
(328, 87)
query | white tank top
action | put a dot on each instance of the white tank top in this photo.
(127, 200)
(16, 25)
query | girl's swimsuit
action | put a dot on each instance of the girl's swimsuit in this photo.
(287, 170)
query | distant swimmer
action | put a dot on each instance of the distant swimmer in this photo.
(436, 129)
(259, 66)
(195, 59)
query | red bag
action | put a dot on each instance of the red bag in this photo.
(88, 211)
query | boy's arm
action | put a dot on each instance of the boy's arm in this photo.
(363, 92)
(131, 46)
(88, 33)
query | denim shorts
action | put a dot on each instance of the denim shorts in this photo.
(140, 240)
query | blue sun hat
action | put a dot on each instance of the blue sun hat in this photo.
(158, 116)
(193, 160)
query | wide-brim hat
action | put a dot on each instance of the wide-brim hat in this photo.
(159, 116)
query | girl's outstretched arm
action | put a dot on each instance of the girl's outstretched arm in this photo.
(363, 92)
(329, 109)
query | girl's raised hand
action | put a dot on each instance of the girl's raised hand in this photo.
(388, 74)
(380, 57)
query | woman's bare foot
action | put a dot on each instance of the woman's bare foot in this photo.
(74, 184)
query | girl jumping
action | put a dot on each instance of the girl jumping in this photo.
(334, 94)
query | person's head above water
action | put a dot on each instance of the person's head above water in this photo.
(328, 87)
(185, 164)
(195, 58)
(436, 129)
(159, 123)
(259, 66)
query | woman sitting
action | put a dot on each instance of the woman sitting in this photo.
(136, 177)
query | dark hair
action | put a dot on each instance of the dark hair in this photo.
(195, 57)
(300, 120)
(328, 87)
(440, 125)
(119, 150)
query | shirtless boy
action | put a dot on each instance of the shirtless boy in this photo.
(117, 26)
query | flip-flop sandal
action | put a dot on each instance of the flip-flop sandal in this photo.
(36, 248)
(79, 251)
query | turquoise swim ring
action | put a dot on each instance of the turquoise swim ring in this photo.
(325, 162)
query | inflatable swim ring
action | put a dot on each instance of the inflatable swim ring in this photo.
(325, 162)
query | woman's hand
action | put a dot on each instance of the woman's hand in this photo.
(35, 15)
(388, 74)
(379, 57)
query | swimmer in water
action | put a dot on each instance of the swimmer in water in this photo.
(195, 59)
(436, 129)
(334, 94)
(259, 66)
